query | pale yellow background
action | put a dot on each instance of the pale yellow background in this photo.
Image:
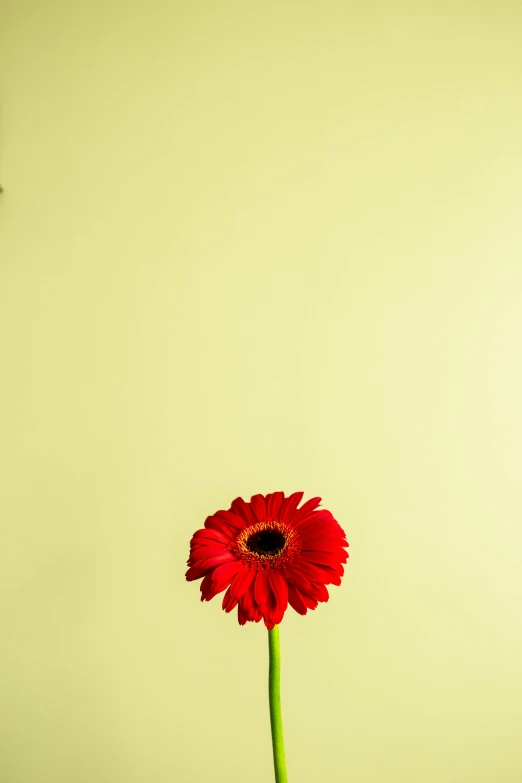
(248, 247)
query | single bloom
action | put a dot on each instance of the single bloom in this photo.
(267, 554)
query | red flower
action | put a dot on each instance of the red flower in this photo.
(268, 553)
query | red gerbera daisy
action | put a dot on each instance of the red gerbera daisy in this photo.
(268, 553)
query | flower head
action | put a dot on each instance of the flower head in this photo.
(267, 554)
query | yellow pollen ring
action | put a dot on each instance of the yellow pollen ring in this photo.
(267, 560)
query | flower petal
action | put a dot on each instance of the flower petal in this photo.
(208, 534)
(207, 593)
(200, 552)
(323, 545)
(242, 581)
(322, 558)
(323, 574)
(273, 503)
(217, 523)
(241, 615)
(194, 572)
(262, 588)
(321, 519)
(308, 601)
(279, 588)
(229, 601)
(231, 519)
(321, 592)
(259, 507)
(243, 510)
(305, 510)
(300, 581)
(247, 600)
(295, 600)
(215, 560)
(222, 575)
(289, 506)
(248, 605)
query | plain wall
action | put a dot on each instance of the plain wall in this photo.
(248, 247)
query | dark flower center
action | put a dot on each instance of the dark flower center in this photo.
(266, 542)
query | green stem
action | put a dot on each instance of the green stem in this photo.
(276, 723)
